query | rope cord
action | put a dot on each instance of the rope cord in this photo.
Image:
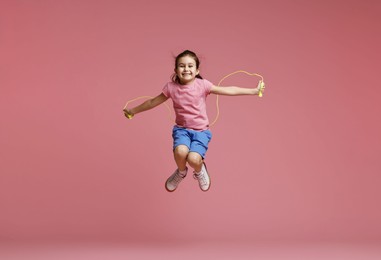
(260, 94)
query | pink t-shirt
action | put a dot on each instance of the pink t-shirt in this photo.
(189, 103)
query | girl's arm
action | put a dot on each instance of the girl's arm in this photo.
(235, 91)
(146, 105)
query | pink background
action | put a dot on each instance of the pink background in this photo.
(302, 163)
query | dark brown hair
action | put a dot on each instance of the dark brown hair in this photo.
(183, 54)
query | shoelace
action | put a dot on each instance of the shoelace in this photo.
(177, 178)
(201, 178)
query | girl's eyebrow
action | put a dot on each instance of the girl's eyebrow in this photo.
(190, 63)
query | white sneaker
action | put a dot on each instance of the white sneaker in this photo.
(203, 178)
(174, 180)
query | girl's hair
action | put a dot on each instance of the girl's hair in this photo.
(183, 54)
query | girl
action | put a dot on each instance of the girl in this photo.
(191, 134)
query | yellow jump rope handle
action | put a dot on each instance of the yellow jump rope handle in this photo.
(262, 86)
(128, 115)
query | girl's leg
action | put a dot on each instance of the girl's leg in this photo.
(181, 153)
(195, 161)
(201, 174)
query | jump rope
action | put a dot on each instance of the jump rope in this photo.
(260, 94)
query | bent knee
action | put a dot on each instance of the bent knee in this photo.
(194, 158)
(181, 150)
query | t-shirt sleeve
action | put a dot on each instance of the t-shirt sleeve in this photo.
(166, 90)
(208, 86)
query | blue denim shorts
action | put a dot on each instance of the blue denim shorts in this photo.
(196, 141)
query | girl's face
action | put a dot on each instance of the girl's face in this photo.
(186, 70)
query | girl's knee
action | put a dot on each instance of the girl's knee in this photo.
(194, 158)
(181, 150)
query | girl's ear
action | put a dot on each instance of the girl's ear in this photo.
(197, 72)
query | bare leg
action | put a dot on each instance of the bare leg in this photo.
(195, 161)
(180, 154)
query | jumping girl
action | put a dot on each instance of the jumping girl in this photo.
(191, 134)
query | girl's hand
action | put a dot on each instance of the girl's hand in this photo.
(127, 113)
